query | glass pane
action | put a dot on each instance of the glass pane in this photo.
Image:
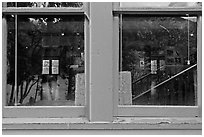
(159, 4)
(10, 58)
(50, 59)
(45, 4)
(158, 60)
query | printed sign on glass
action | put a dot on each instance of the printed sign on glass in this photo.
(153, 66)
(55, 66)
(45, 67)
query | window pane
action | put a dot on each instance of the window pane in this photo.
(10, 58)
(45, 4)
(158, 60)
(160, 4)
(50, 59)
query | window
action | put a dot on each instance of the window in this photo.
(45, 58)
(73, 65)
(54, 46)
(158, 60)
(161, 55)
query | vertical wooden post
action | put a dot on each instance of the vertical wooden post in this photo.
(101, 60)
(199, 64)
(87, 63)
(4, 61)
(115, 64)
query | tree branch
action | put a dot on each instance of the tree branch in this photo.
(30, 88)
(11, 95)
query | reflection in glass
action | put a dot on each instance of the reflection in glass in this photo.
(10, 58)
(160, 4)
(45, 4)
(50, 53)
(161, 55)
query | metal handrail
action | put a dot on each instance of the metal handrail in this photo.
(144, 76)
(165, 81)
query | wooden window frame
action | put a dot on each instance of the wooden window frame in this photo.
(98, 86)
(159, 111)
(41, 111)
(101, 110)
(102, 81)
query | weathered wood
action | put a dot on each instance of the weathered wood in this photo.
(43, 111)
(157, 110)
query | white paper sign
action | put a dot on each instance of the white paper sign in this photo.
(45, 67)
(46, 63)
(55, 63)
(55, 70)
(45, 70)
(153, 66)
(55, 66)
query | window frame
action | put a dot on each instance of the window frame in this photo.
(100, 113)
(154, 110)
(91, 108)
(42, 111)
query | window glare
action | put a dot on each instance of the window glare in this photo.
(159, 4)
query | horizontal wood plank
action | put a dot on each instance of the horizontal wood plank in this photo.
(162, 111)
(45, 111)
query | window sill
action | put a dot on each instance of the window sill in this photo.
(119, 123)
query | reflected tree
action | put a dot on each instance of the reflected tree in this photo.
(157, 38)
(45, 4)
(32, 32)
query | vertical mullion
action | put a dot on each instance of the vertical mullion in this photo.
(86, 9)
(4, 61)
(101, 63)
(199, 64)
(87, 62)
(16, 36)
(121, 41)
(116, 64)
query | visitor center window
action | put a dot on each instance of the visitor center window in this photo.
(45, 57)
(158, 60)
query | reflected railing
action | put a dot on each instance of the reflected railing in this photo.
(175, 90)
